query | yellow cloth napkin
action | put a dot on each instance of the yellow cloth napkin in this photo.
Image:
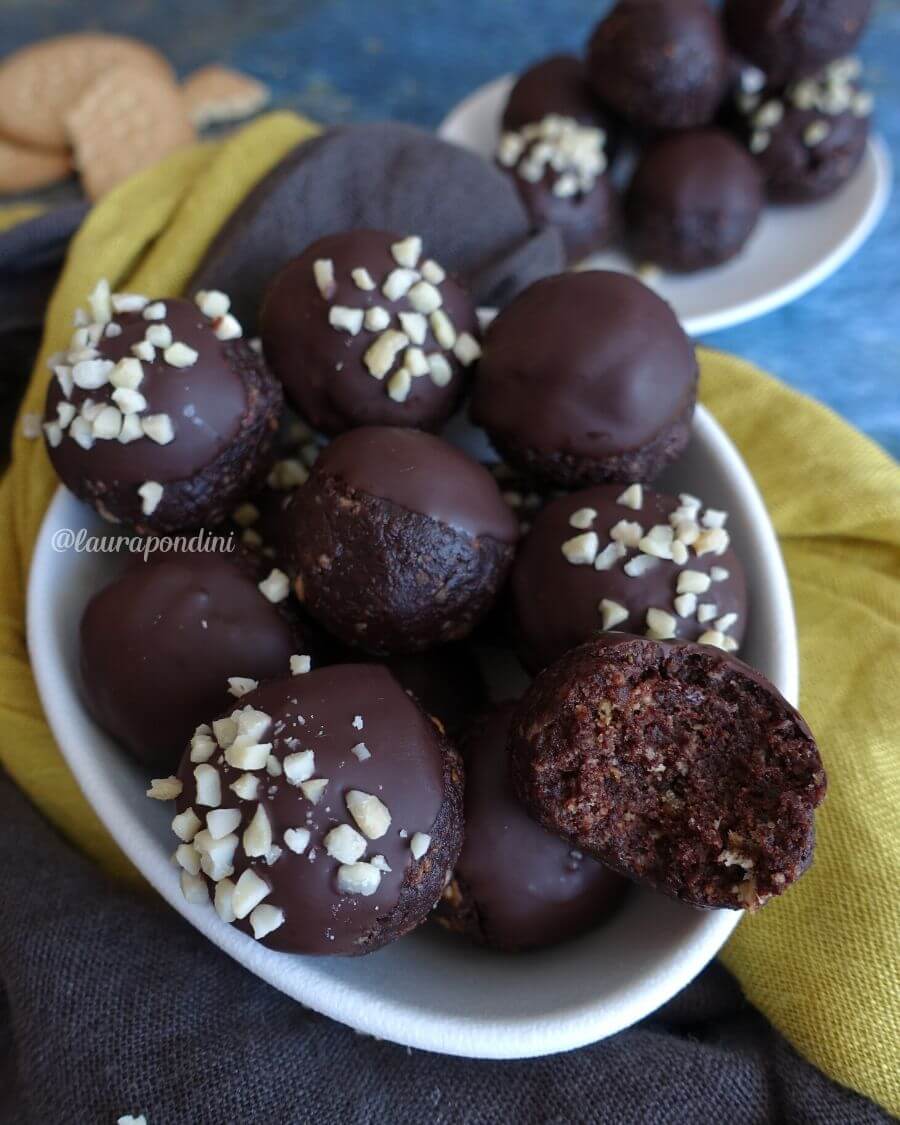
(821, 963)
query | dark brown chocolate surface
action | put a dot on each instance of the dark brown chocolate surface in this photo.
(322, 367)
(159, 644)
(422, 474)
(694, 200)
(660, 64)
(675, 764)
(557, 84)
(556, 604)
(515, 886)
(588, 366)
(790, 38)
(412, 770)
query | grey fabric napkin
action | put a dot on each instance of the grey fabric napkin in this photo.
(112, 1004)
(391, 177)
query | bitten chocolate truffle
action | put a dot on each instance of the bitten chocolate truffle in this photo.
(558, 167)
(160, 644)
(399, 541)
(661, 64)
(587, 377)
(694, 200)
(160, 415)
(632, 560)
(323, 812)
(791, 38)
(558, 85)
(809, 137)
(675, 764)
(515, 886)
(363, 328)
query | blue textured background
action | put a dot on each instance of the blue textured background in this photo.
(413, 59)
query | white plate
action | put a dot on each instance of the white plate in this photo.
(792, 250)
(429, 990)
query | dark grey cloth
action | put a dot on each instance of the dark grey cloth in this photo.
(112, 1004)
(389, 177)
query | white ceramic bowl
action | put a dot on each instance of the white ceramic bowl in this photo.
(429, 990)
(792, 250)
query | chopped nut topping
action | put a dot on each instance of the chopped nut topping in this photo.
(632, 497)
(432, 272)
(299, 767)
(209, 785)
(718, 573)
(346, 319)
(323, 272)
(143, 349)
(213, 303)
(300, 665)
(415, 362)
(222, 822)
(248, 756)
(344, 844)
(90, 374)
(371, 815)
(264, 919)
(180, 355)
(610, 554)
(164, 788)
(581, 550)
(358, 879)
(158, 427)
(156, 311)
(362, 279)
(276, 587)
(715, 540)
(228, 327)
(225, 731)
(159, 335)
(714, 517)
(193, 887)
(241, 685)
(706, 611)
(150, 492)
(297, 839)
(249, 891)
(686, 605)
(724, 623)
(626, 532)
(257, 838)
(419, 844)
(312, 790)
(54, 433)
(187, 856)
(130, 402)
(639, 565)
(661, 625)
(360, 751)
(712, 637)
(442, 327)
(408, 251)
(583, 518)
(246, 787)
(466, 349)
(377, 318)
(398, 283)
(223, 899)
(127, 302)
(399, 385)
(439, 369)
(186, 825)
(692, 582)
(415, 326)
(380, 356)
(613, 613)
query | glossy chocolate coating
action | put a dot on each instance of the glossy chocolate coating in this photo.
(695, 198)
(322, 368)
(556, 603)
(660, 64)
(409, 771)
(399, 541)
(159, 644)
(515, 885)
(422, 474)
(204, 401)
(557, 84)
(584, 366)
(790, 38)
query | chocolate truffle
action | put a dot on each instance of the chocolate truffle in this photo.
(399, 541)
(159, 645)
(808, 138)
(159, 414)
(675, 764)
(587, 377)
(324, 812)
(515, 886)
(694, 200)
(632, 560)
(660, 64)
(557, 85)
(558, 167)
(790, 38)
(363, 328)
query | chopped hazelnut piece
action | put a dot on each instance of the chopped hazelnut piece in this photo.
(419, 844)
(407, 251)
(313, 789)
(150, 492)
(186, 825)
(300, 665)
(164, 788)
(249, 891)
(370, 813)
(180, 355)
(193, 887)
(346, 319)
(264, 919)
(344, 844)
(212, 303)
(299, 767)
(223, 899)
(209, 785)
(276, 587)
(257, 838)
(241, 685)
(583, 518)
(358, 879)
(297, 839)
(323, 272)
(632, 497)
(612, 613)
(581, 550)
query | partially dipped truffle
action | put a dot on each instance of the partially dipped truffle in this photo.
(160, 644)
(633, 560)
(694, 200)
(559, 168)
(809, 137)
(587, 377)
(322, 813)
(159, 414)
(788, 39)
(661, 64)
(556, 85)
(399, 541)
(363, 328)
(675, 764)
(515, 886)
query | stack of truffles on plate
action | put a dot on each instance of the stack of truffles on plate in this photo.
(680, 121)
(312, 703)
